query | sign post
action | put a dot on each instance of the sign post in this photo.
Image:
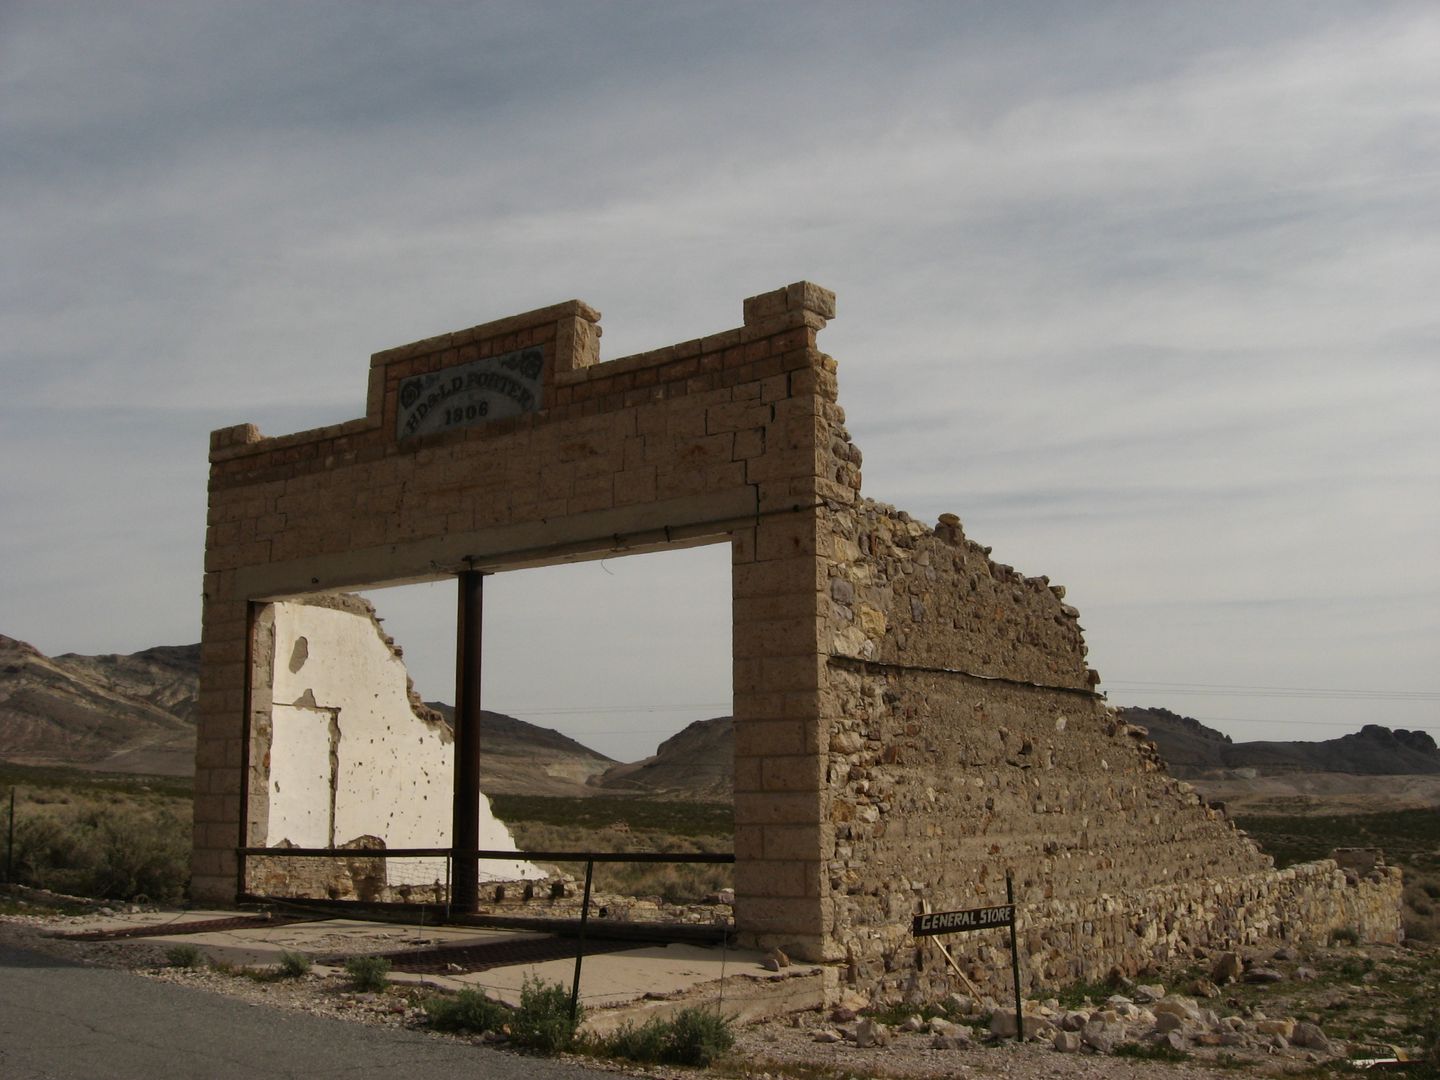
(986, 918)
(1014, 958)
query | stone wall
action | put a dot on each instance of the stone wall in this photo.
(967, 740)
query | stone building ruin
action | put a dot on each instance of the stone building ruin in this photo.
(912, 718)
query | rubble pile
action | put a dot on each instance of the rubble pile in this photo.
(1256, 1005)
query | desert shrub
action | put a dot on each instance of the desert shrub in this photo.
(1419, 930)
(1076, 994)
(691, 1037)
(1355, 970)
(677, 817)
(644, 1042)
(46, 798)
(48, 853)
(896, 1013)
(543, 1021)
(468, 1011)
(184, 956)
(698, 1037)
(293, 965)
(123, 853)
(367, 972)
(1345, 935)
(1150, 1052)
(143, 854)
(609, 823)
(676, 882)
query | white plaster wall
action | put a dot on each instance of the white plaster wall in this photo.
(300, 776)
(395, 771)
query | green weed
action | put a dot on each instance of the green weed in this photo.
(543, 1021)
(184, 956)
(1076, 994)
(1353, 970)
(293, 965)
(469, 1011)
(24, 907)
(368, 973)
(636, 1042)
(1150, 1052)
(693, 1036)
(697, 1037)
(1227, 1060)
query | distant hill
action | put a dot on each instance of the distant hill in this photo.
(136, 714)
(1192, 750)
(697, 762)
(116, 713)
(519, 758)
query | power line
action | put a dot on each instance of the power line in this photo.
(1236, 690)
(1353, 725)
(586, 710)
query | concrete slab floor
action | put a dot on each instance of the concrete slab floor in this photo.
(634, 978)
(611, 978)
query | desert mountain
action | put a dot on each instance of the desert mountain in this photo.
(112, 713)
(1193, 750)
(697, 762)
(136, 714)
(518, 758)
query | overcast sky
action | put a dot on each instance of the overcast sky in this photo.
(1146, 293)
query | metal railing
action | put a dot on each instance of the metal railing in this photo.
(589, 858)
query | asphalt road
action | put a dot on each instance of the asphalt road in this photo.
(64, 1021)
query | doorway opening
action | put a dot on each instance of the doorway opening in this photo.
(605, 727)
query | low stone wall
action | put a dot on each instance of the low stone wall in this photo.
(1063, 942)
(349, 878)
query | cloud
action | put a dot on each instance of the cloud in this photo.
(1143, 294)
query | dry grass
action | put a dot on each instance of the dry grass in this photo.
(611, 823)
(674, 883)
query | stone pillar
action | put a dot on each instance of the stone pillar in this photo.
(781, 820)
(219, 747)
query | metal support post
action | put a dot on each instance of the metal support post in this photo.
(1015, 956)
(10, 843)
(465, 815)
(580, 944)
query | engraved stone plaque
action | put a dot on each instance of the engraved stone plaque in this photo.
(469, 394)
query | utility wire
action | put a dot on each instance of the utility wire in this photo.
(1233, 690)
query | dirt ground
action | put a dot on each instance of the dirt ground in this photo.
(1369, 1002)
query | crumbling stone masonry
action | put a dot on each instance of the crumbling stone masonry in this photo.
(965, 739)
(912, 719)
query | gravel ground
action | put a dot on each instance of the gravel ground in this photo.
(779, 1049)
(773, 1051)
